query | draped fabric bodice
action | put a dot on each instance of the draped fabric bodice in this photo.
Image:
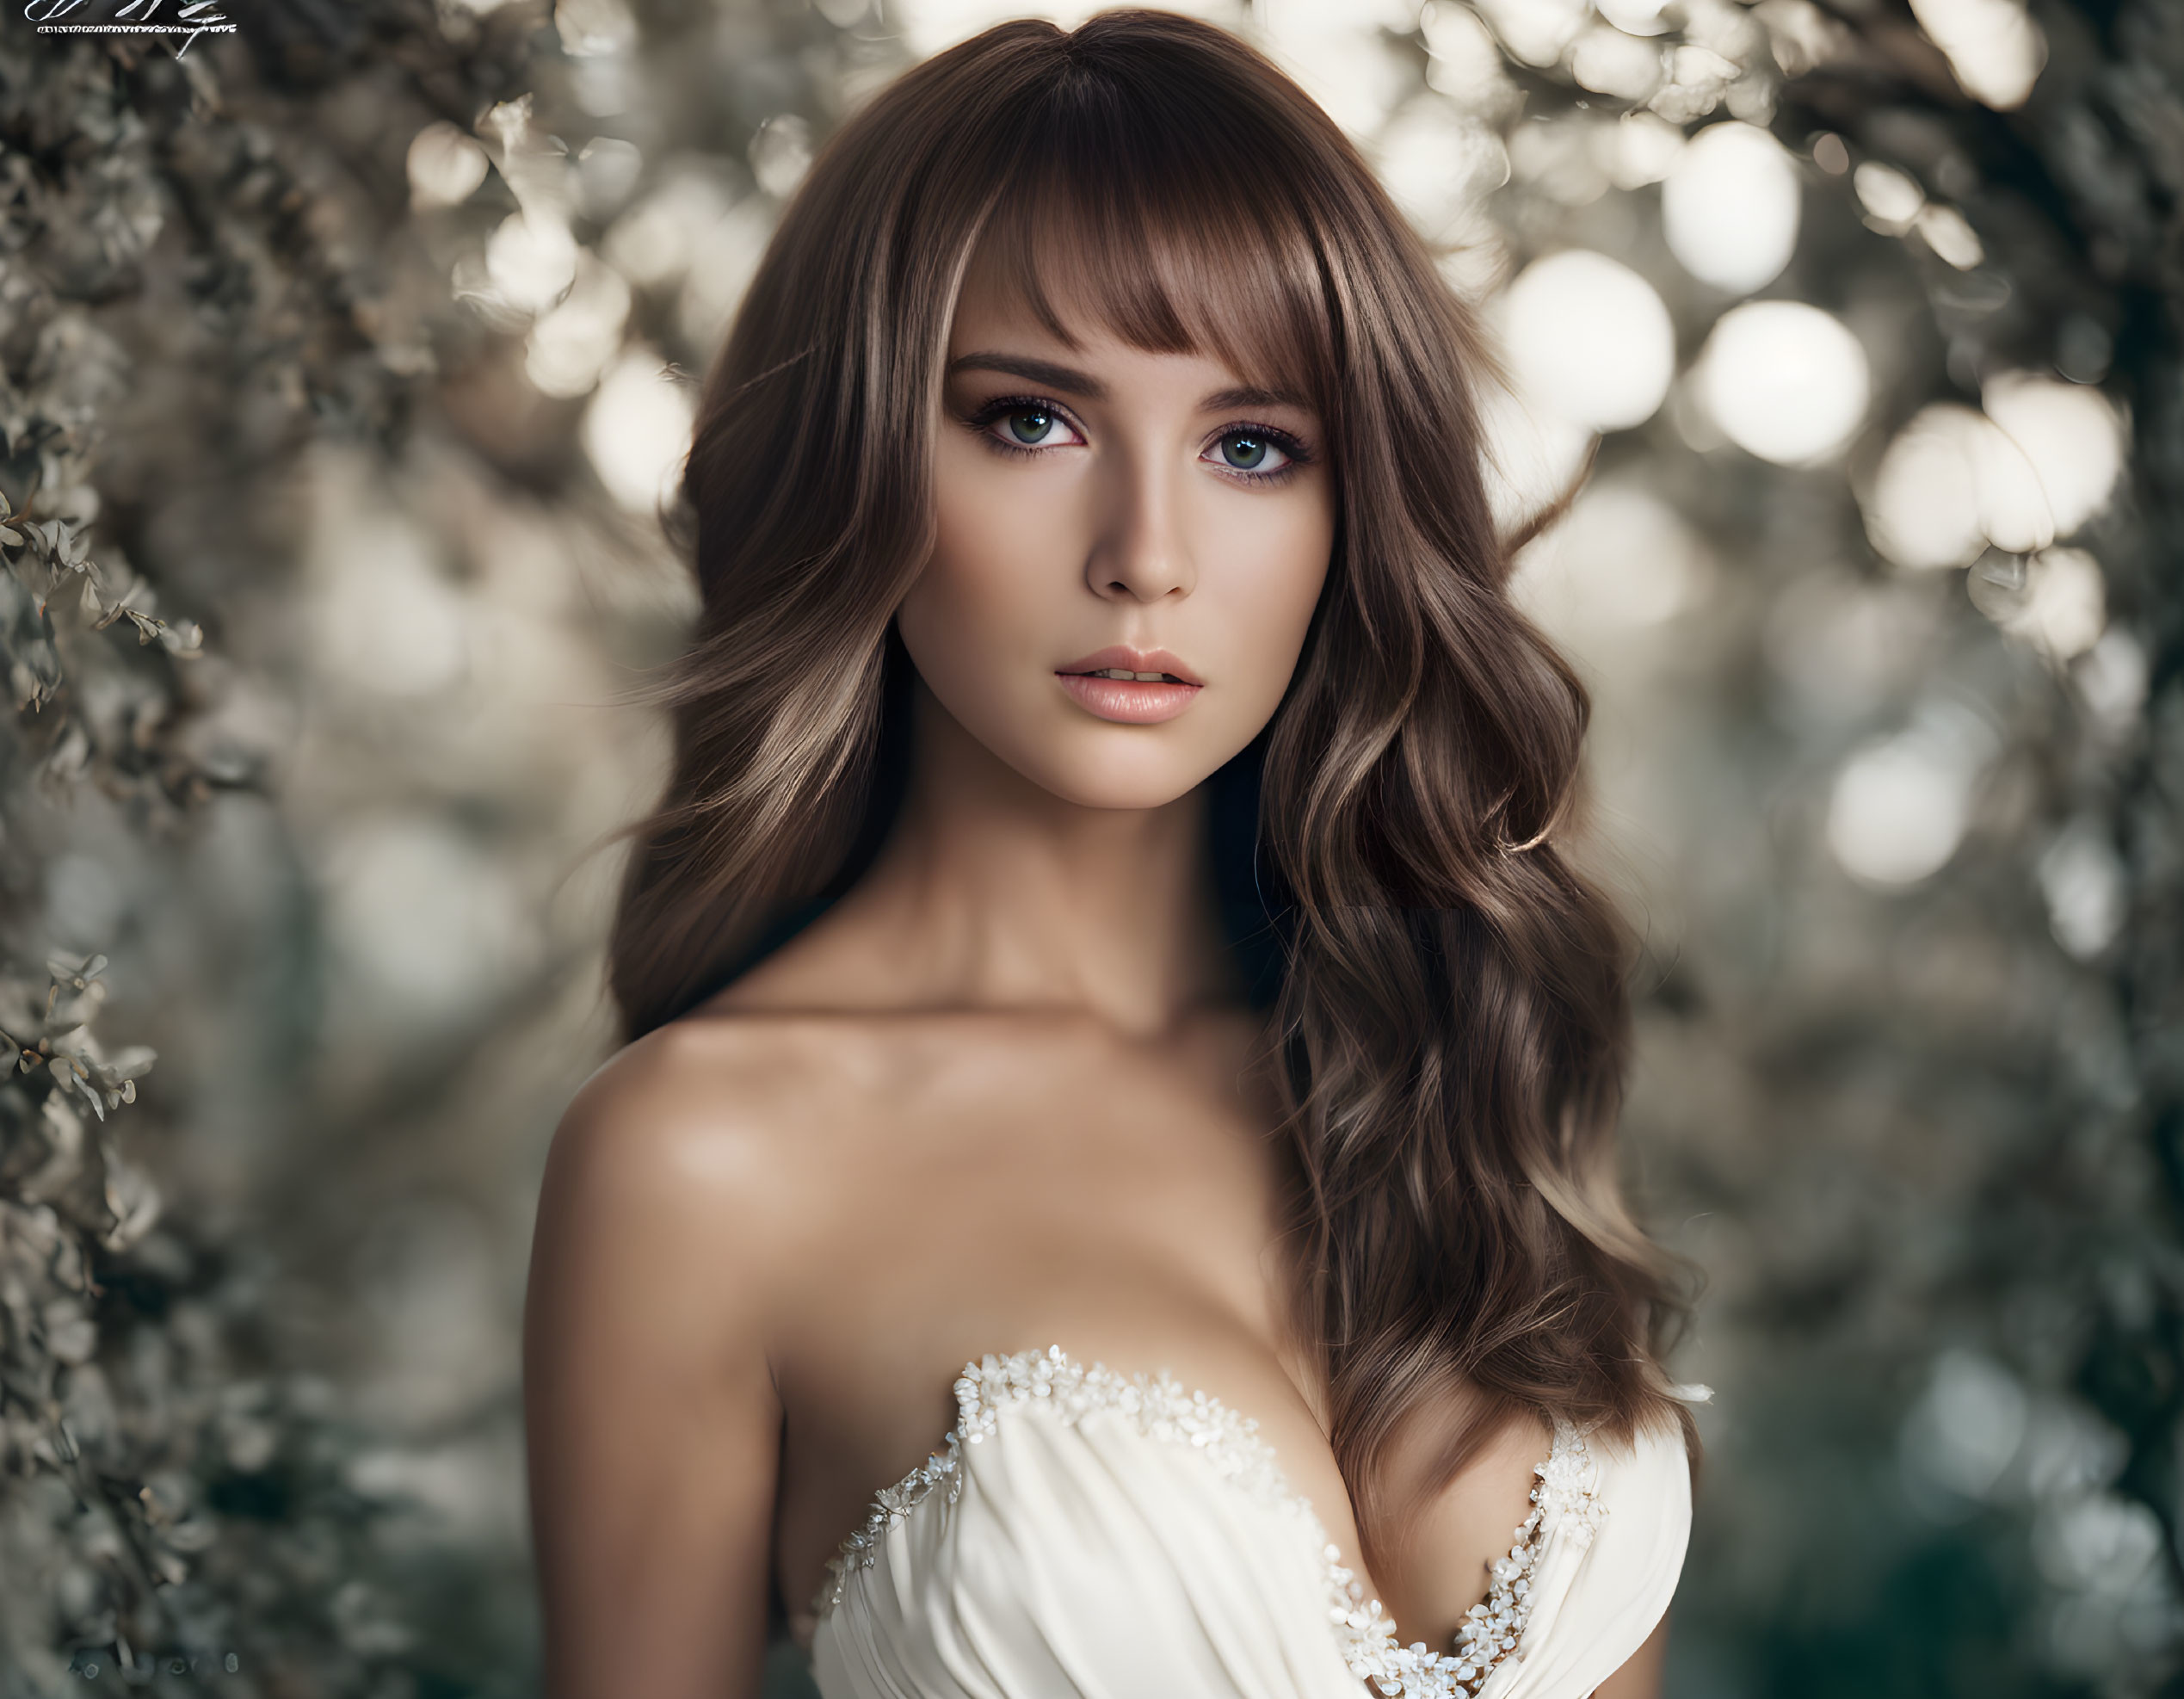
(1083, 1533)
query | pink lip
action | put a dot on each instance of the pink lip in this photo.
(1130, 702)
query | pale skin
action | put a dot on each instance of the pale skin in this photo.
(1002, 1095)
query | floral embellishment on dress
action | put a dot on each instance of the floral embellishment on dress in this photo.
(1566, 1499)
(890, 1505)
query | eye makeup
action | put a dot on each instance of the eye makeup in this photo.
(985, 417)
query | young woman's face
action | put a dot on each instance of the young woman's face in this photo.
(1105, 511)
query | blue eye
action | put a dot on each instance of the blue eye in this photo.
(1023, 425)
(1030, 425)
(1262, 452)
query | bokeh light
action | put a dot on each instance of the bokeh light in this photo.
(1993, 45)
(1951, 482)
(1537, 32)
(569, 346)
(1730, 207)
(1785, 380)
(1609, 61)
(1440, 164)
(444, 166)
(1590, 338)
(2081, 877)
(1892, 198)
(637, 430)
(1900, 805)
(1621, 561)
(2071, 435)
(532, 260)
(1531, 455)
(2062, 605)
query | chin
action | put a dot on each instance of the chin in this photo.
(1110, 777)
(1111, 791)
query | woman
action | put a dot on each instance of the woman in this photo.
(1104, 946)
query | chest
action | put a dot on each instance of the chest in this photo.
(1133, 1213)
(968, 1182)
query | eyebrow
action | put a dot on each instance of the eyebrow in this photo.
(1246, 395)
(1044, 373)
(1068, 380)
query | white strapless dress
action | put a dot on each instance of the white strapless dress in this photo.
(1085, 1534)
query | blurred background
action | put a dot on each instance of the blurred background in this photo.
(343, 359)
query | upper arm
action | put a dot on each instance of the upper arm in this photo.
(650, 1412)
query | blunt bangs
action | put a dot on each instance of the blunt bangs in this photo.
(1150, 210)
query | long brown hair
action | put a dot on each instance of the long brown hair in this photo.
(1449, 990)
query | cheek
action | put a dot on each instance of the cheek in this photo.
(992, 579)
(1271, 563)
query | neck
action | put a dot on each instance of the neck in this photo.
(992, 892)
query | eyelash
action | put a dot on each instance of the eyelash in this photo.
(984, 418)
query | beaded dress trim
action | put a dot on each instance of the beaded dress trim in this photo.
(1566, 1498)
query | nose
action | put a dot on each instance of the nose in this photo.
(1140, 551)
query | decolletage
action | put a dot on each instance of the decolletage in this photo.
(1084, 1533)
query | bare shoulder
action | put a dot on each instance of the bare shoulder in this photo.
(685, 1098)
(716, 1121)
(731, 1155)
(669, 1217)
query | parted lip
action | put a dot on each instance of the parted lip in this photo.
(1121, 655)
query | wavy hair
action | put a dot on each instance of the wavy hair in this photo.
(1449, 990)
